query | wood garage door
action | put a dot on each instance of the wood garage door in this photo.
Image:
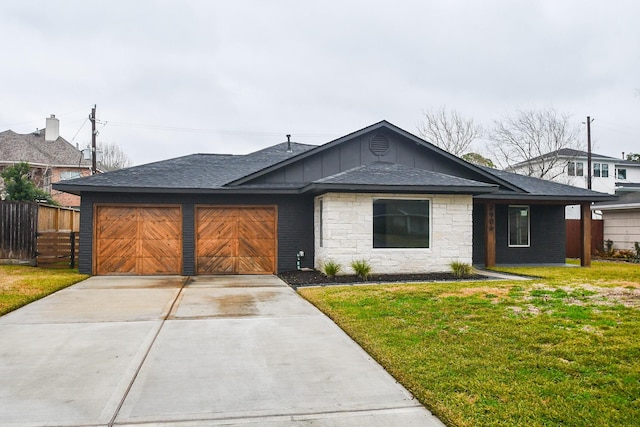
(138, 240)
(236, 240)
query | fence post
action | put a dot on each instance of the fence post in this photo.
(72, 237)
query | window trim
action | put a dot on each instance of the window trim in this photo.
(401, 198)
(573, 167)
(528, 245)
(618, 170)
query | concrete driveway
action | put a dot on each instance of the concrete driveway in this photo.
(230, 350)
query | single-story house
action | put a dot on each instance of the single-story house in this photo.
(380, 194)
(621, 220)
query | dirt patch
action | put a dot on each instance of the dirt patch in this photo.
(297, 279)
(627, 294)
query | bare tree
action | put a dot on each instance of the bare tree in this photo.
(532, 139)
(113, 157)
(449, 130)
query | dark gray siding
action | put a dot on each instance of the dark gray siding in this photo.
(356, 152)
(295, 223)
(547, 236)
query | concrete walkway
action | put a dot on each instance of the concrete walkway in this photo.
(233, 350)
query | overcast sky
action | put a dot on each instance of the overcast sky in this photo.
(172, 78)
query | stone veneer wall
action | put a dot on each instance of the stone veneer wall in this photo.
(348, 233)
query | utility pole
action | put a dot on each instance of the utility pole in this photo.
(94, 152)
(589, 152)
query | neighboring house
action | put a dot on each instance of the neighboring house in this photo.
(621, 220)
(568, 166)
(50, 156)
(380, 194)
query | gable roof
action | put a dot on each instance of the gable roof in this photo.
(226, 173)
(33, 149)
(374, 127)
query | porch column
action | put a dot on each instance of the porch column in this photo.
(585, 234)
(490, 234)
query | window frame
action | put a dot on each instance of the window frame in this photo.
(519, 207)
(76, 175)
(403, 198)
(604, 169)
(624, 170)
(575, 168)
(596, 170)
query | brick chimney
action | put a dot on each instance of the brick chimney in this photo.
(52, 130)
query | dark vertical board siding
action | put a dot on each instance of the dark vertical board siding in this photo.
(18, 227)
(295, 223)
(547, 237)
(188, 239)
(85, 255)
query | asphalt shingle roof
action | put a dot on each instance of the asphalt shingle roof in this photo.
(195, 171)
(541, 187)
(32, 148)
(235, 173)
(382, 173)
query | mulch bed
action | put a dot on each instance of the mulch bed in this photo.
(297, 279)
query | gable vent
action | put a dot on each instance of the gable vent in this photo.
(379, 145)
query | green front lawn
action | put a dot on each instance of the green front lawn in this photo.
(20, 285)
(563, 349)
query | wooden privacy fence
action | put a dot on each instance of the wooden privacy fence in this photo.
(573, 237)
(57, 236)
(57, 249)
(18, 222)
(46, 235)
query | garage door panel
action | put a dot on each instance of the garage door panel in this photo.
(220, 265)
(138, 240)
(255, 265)
(115, 248)
(159, 248)
(229, 238)
(256, 230)
(160, 230)
(117, 213)
(217, 230)
(256, 214)
(216, 247)
(124, 230)
(160, 214)
(160, 265)
(256, 248)
(118, 265)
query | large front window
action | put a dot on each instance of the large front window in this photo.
(399, 223)
(519, 226)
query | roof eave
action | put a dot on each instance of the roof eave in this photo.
(543, 197)
(369, 188)
(79, 189)
(615, 207)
